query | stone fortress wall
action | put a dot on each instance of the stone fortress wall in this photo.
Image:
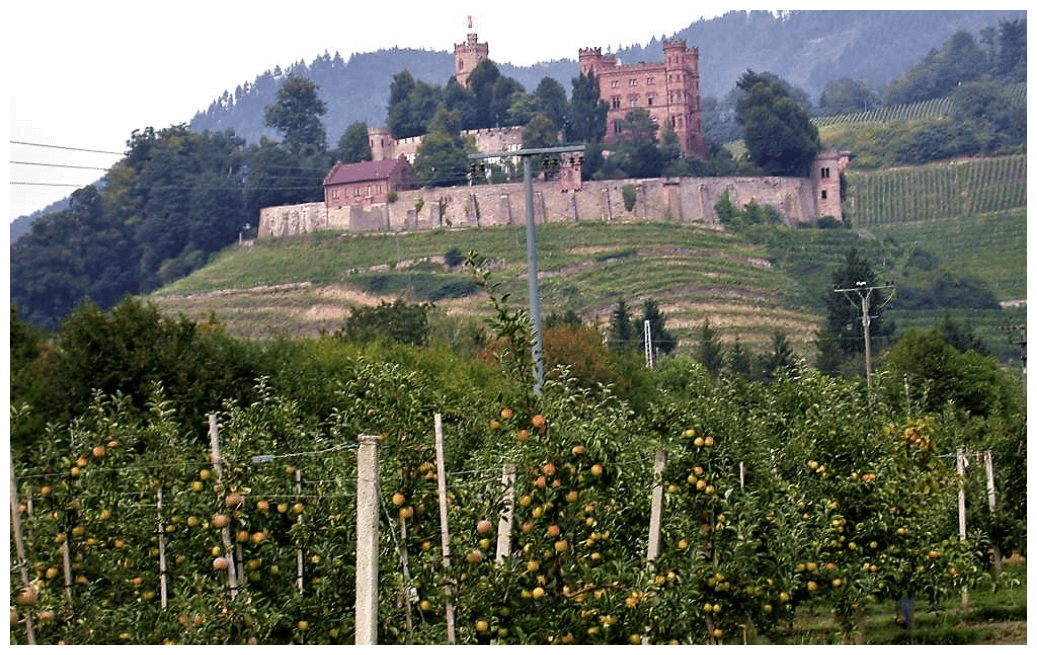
(676, 199)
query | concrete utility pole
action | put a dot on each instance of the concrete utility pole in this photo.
(531, 252)
(864, 292)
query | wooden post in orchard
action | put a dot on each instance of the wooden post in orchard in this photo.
(298, 521)
(444, 530)
(162, 572)
(367, 541)
(988, 461)
(405, 593)
(506, 519)
(217, 463)
(19, 548)
(655, 522)
(961, 515)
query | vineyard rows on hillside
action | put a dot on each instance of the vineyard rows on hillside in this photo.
(938, 190)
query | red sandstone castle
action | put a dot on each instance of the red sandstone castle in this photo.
(669, 91)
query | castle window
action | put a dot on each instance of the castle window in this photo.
(824, 194)
(615, 102)
(651, 100)
(633, 101)
(633, 82)
(617, 127)
(650, 80)
(825, 172)
(615, 84)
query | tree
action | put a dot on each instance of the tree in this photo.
(739, 361)
(396, 322)
(778, 133)
(442, 158)
(662, 340)
(587, 112)
(354, 145)
(276, 176)
(941, 376)
(709, 351)
(481, 83)
(781, 360)
(551, 100)
(296, 114)
(847, 96)
(412, 104)
(1010, 61)
(844, 317)
(622, 332)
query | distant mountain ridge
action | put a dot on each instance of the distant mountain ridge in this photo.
(807, 48)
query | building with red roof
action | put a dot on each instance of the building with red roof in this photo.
(366, 183)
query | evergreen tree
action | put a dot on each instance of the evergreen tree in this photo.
(844, 317)
(662, 340)
(710, 351)
(587, 112)
(739, 361)
(781, 360)
(622, 332)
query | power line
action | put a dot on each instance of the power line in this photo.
(40, 163)
(47, 145)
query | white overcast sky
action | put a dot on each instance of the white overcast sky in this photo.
(86, 74)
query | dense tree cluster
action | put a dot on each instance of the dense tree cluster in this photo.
(176, 198)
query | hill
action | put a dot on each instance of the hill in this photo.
(747, 285)
(807, 48)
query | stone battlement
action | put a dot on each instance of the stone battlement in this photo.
(657, 199)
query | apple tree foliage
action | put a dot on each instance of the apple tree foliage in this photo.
(805, 492)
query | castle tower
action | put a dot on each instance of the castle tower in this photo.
(669, 91)
(468, 55)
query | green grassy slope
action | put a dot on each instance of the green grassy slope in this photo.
(748, 285)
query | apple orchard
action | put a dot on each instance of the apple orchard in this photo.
(809, 489)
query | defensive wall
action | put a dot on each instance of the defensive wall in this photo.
(657, 199)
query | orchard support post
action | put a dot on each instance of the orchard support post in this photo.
(367, 541)
(19, 547)
(655, 522)
(961, 514)
(228, 547)
(988, 461)
(507, 518)
(444, 529)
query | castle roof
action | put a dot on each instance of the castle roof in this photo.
(363, 171)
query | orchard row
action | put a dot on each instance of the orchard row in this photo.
(139, 538)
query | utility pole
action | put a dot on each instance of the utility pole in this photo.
(1022, 345)
(864, 291)
(649, 359)
(531, 252)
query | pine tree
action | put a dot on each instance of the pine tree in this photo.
(710, 352)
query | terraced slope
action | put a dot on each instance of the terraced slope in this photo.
(302, 285)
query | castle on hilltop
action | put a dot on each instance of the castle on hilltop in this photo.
(379, 195)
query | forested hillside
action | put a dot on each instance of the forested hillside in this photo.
(806, 48)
